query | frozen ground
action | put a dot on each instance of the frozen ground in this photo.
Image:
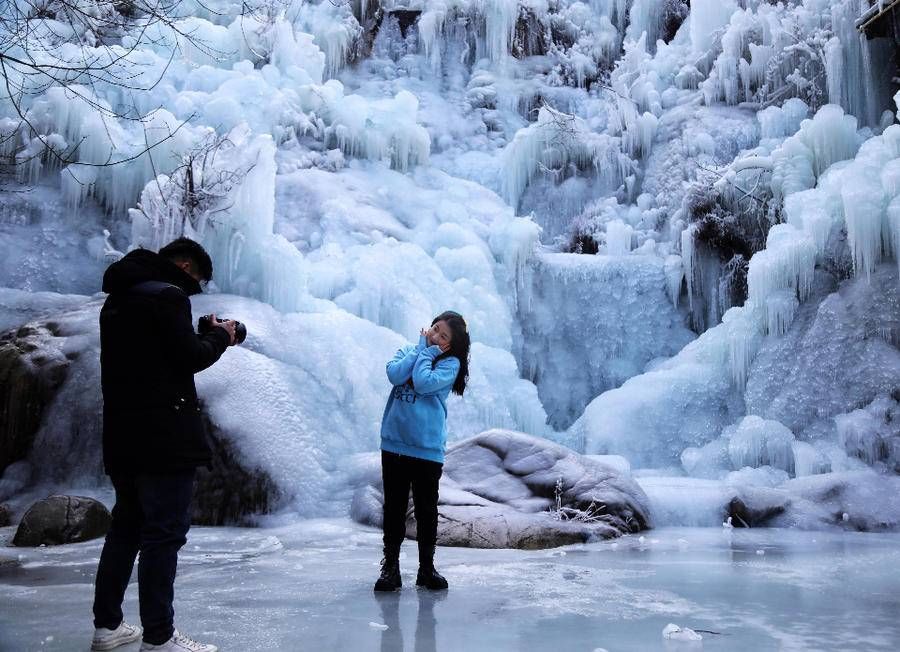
(307, 585)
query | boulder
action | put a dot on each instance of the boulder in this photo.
(504, 489)
(5, 515)
(62, 519)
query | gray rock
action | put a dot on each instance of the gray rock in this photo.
(504, 489)
(229, 493)
(5, 515)
(62, 519)
(44, 370)
(31, 370)
(756, 506)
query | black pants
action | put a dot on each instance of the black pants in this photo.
(399, 473)
(151, 516)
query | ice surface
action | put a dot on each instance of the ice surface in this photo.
(311, 581)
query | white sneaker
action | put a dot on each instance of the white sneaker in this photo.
(179, 643)
(108, 639)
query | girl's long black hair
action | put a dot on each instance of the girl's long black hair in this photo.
(459, 347)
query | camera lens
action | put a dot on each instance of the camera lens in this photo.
(240, 332)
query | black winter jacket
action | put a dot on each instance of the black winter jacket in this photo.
(149, 354)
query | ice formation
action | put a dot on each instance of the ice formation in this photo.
(557, 172)
(757, 442)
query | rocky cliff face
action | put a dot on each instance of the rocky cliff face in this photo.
(51, 425)
(32, 368)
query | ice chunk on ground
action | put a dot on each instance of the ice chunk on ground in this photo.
(675, 632)
(759, 442)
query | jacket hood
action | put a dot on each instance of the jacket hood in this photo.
(143, 265)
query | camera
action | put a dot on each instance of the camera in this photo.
(206, 324)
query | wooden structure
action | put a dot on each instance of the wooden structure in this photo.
(882, 20)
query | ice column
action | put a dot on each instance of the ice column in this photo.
(707, 18)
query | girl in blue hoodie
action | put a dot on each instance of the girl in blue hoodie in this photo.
(413, 438)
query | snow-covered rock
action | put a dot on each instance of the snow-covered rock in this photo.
(504, 489)
(861, 500)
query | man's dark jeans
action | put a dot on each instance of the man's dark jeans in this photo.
(151, 515)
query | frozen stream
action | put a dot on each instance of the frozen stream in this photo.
(307, 586)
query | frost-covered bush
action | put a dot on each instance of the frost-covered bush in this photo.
(187, 201)
(559, 145)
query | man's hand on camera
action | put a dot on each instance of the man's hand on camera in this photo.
(228, 325)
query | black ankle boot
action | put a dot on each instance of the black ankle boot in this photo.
(389, 580)
(428, 575)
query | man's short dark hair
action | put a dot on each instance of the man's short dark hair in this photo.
(187, 249)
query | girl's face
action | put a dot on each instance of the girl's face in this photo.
(439, 334)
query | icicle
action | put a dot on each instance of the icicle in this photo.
(618, 238)
(743, 341)
(864, 212)
(500, 26)
(760, 442)
(787, 262)
(834, 69)
(687, 257)
(781, 306)
(8, 136)
(431, 27)
(893, 215)
(645, 17)
(808, 460)
(78, 183)
(783, 121)
(890, 178)
(674, 271)
(707, 18)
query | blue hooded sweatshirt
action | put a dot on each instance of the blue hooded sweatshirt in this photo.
(415, 417)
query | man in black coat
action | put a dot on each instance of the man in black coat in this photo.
(153, 434)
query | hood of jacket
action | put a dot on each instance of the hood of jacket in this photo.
(143, 265)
